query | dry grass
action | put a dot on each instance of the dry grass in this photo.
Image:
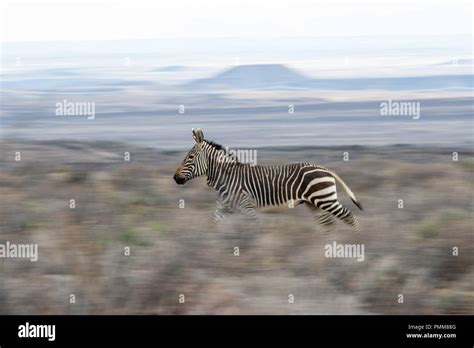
(81, 251)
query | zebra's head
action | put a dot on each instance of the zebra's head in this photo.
(195, 163)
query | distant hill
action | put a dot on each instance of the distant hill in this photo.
(454, 61)
(276, 76)
(255, 76)
(170, 68)
(397, 83)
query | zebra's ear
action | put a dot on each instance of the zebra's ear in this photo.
(198, 135)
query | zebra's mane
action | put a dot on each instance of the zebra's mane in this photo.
(215, 145)
(219, 147)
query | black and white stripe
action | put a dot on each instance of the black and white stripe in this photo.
(245, 188)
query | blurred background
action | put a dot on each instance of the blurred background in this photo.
(297, 82)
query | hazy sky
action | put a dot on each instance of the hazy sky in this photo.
(132, 19)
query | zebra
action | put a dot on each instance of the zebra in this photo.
(245, 188)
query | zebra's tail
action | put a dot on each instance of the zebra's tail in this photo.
(346, 188)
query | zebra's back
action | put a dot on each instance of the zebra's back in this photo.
(281, 184)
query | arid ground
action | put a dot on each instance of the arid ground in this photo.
(422, 250)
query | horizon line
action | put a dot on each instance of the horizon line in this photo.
(236, 37)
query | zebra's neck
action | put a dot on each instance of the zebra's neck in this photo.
(218, 164)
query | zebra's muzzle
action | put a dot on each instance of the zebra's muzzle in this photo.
(180, 180)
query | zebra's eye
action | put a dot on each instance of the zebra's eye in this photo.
(191, 156)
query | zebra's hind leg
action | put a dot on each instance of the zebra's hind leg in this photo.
(326, 220)
(339, 211)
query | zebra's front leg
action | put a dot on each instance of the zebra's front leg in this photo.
(221, 211)
(247, 206)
